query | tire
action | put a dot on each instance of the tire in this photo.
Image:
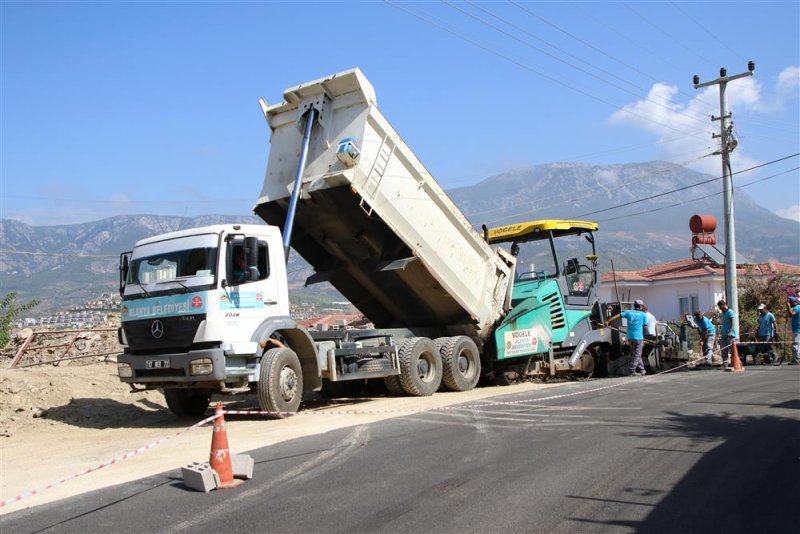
(461, 363)
(420, 367)
(280, 385)
(439, 343)
(187, 402)
(394, 386)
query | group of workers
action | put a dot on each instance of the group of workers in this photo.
(642, 324)
(764, 333)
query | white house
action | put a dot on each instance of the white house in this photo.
(671, 290)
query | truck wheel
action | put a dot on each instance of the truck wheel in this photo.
(280, 385)
(420, 367)
(461, 363)
(394, 386)
(439, 343)
(187, 402)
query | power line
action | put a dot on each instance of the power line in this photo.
(686, 187)
(594, 192)
(654, 25)
(534, 47)
(696, 199)
(533, 70)
(702, 27)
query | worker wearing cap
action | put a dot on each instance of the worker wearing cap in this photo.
(793, 308)
(636, 319)
(707, 334)
(765, 332)
(728, 335)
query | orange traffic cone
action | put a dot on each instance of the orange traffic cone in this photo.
(220, 454)
(736, 364)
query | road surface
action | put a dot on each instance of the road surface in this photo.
(693, 451)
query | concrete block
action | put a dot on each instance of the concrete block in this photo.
(243, 465)
(199, 476)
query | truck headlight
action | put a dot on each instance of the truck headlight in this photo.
(124, 370)
(203, 366)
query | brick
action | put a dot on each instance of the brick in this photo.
(199, 476)
(243, 465)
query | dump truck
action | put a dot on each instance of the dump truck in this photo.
(206, 310)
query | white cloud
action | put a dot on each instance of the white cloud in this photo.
(792, 212)
(685, 131)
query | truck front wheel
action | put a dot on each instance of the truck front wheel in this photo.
(280, 385)
(187, 402)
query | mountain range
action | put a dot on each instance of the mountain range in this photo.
(66, 264)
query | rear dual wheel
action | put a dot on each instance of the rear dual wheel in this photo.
(420, 367)
(461, 363)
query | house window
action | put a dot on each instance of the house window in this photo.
(689, 304)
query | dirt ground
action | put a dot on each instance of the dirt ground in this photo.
(58, 421)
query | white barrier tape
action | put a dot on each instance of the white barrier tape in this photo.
(152, 445)
(117, 459)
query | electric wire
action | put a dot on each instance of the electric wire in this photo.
(592, 192)
(702, 27)
(657, 27)
(696, 199)
(696, 116)
(687, 186)
(531, 69)
(556, 58)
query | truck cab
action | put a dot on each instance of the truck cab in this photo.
(199, 308)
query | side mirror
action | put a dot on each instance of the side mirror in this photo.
(124, 265)
(251, 255)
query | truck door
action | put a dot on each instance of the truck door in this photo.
(252, 294)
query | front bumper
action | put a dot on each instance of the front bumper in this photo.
(178, 369)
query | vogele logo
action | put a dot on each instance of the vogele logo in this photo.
(197, 302)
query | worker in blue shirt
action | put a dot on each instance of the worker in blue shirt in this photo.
(793, 309)
(728, 333)
(765, 333)
(707, 334)
(636, 319)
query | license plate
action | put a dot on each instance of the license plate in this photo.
(156, 364)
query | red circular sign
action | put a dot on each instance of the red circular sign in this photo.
(259, 297)
(197, 302)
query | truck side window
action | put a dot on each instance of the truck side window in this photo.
(237, 262)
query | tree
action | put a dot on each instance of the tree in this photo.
(771, 290)
(9, 312)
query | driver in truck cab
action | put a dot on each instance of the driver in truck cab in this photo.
(239, 273)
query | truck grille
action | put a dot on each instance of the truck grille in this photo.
(173, 333)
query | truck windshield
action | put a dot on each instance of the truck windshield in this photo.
(177, 265)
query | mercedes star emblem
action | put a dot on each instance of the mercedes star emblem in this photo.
(157, 329)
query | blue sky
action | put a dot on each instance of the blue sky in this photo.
(148, 107)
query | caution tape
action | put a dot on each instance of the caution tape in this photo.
(464, 406)
(112, 461)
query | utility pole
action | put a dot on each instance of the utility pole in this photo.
(727, 144)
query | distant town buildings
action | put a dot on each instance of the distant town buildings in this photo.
(93, 312)
(87, 315)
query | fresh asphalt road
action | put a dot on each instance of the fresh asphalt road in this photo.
(688, 451)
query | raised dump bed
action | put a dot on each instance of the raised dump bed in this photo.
(373, 221)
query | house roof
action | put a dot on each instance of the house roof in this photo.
(337, 319)
(692, 268)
